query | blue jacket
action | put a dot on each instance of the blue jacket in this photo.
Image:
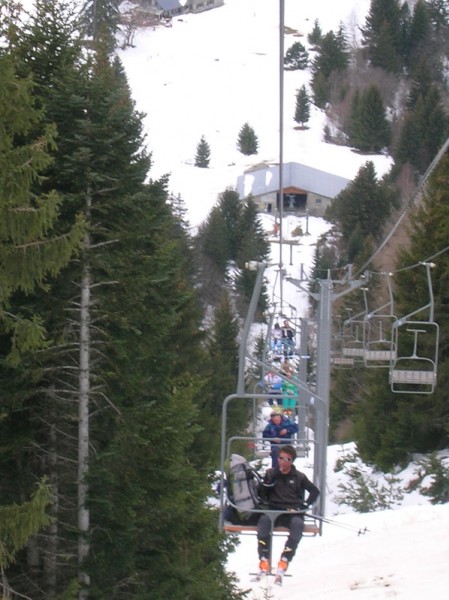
(273, 431)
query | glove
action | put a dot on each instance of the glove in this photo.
(304, 506)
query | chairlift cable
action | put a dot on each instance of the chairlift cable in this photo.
(410, 204)
(413, 266)
(426, 260)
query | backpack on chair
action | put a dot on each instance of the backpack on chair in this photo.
(243, 482)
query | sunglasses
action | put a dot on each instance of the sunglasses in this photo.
(286, 458)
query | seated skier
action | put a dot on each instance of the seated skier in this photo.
(283, 488)
(278, 430)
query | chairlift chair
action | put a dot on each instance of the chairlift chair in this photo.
(354, 345)
(380, 348)
(251, 442)
(312, 526)
(416, 373)
(337, 345)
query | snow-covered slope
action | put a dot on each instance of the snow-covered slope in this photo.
(212, 72)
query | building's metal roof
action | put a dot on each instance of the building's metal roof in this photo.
(170, 4)
(266, 180)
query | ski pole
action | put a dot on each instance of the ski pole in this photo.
(338, 524)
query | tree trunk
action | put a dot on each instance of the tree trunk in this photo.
(83, 426)
(50, 561)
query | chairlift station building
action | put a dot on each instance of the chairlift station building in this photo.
(173, 8)
(305, 189)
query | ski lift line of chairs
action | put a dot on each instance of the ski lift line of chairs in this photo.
(278, 343)
(363, 339)
(380, 349)
(366, 340)
(371, 347)
(408, 373)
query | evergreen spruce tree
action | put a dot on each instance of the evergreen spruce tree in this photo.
(214, 240)
(382, 34)
(202, 156)
(421, 83)
(369, 129)
(428, 232)
(31, 247)
(381, 438)
(223, 349)
(352, 126)
(220, 235)
(362, 208)
(408, 146)
(247, 142)
(253, 245)
(314, 37)
(439, 15)
(100, 20)
(230, 207)
(18, 524)
(419, 38)
(333, 56)
(436, 128)
(320, 89)
(302, 109)
(424, 129)
(296, 57)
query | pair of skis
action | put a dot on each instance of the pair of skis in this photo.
(262, 575)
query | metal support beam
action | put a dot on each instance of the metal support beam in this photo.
(323, 387)
(304, 395)
(260, 266)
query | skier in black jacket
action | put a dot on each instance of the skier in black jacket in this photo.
(284, 488)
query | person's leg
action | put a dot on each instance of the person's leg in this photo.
(295, 524)
(291, 404)
(264, 537)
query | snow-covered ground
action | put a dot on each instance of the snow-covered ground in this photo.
(211, 72)
(399, 553)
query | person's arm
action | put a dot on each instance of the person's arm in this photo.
(267, 432)
(312, 491)
(292, 428)
(266, 485)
